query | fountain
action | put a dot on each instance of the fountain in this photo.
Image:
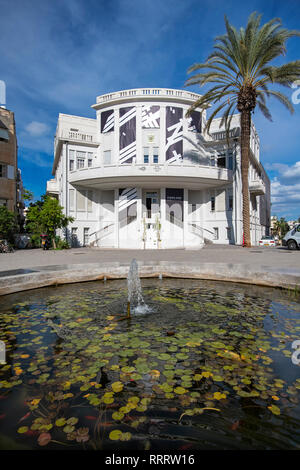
(211, 367)
(135, 300)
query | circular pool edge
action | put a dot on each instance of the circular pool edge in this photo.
(43, 276)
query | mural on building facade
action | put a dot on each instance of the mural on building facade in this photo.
(174, 134)
(150, 117)
(127, 205)
(107, 121)
(127, 123)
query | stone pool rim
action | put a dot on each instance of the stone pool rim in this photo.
(53, 275)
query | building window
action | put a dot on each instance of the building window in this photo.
(71, 165)
(89, 201)
(155, 155)
(221, 161)
(3, 202)
(80, 163)
(86, 236)
(90, 162)
(230, 202)
(3, 170)
(80, 154)
(146, 154)
(80, 201)
(212, 203)
(216, 233)
(74, 238)
(72, 199)
(107, 157)
(228, 233)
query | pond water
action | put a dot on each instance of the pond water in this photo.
(209, 368)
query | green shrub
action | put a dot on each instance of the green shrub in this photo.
(61, 244)
(35, 240)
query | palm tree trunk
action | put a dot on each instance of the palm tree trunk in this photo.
(245, 150)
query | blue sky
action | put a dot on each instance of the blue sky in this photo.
(58, 55)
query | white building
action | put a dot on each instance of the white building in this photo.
(142, 175)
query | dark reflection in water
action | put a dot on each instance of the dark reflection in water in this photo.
(209, 368)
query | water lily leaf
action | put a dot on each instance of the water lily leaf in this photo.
(117, 387)
(23, 429)
(115, 435)
(180, 390)
(60, 422)
(275, 410)
(67, 429)
(117, 415)
(72, 421)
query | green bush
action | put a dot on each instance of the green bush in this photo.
(61, 244)
(35, 240)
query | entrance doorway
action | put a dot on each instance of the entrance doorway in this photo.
(151, 217)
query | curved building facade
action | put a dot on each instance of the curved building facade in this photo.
(142, 175)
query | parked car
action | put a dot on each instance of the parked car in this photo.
(267, 240)
(292, 238)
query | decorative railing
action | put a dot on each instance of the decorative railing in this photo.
(98, 235)
(257, 187)
(76, 136)
(52, 186)
(144, 92)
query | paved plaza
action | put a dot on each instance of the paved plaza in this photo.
(275, 258)
(29, 269)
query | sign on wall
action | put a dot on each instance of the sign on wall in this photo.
(150, 117)
(174, 134)
(107, 121)
(127, 134)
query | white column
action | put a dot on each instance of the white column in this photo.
(163, 217)
(162, 137)
(139, 136)
(139, 215)
(117, 218)
(185, 216)
(115, 149)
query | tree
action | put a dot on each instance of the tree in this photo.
(27, 195)
(281, 227)
(46, 216)
(240, 70)
(8, 223)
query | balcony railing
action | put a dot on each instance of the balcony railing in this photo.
(145, 92)
(52, 187)
(221, 135)
(77, 136)
(257, 187)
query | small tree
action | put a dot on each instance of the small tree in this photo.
(52, 217)
(46, 216)
(8, 223)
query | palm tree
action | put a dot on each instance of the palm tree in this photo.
(240, 71)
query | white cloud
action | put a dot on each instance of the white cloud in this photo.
(285, 198)
(36, 129)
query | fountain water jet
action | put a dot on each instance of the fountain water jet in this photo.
(135, 300)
